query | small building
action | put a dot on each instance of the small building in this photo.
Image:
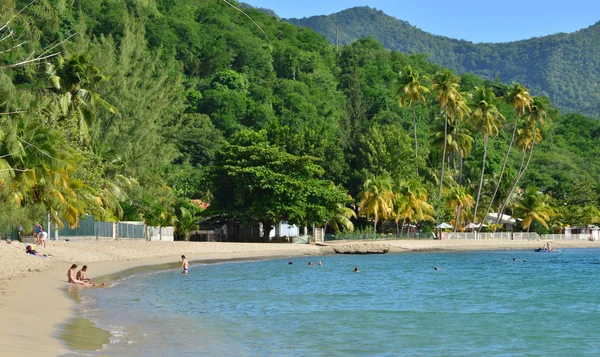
(592, 231)
(506, 221)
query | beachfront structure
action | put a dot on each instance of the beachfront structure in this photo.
(506, 221)
(244, 232)
(592, 231)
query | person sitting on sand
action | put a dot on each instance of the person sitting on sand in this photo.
(81, 275)
(356, 270)
(30, 250)
(73, 280)
(185, 265)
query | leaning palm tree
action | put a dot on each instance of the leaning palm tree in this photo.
(532, 205)
(529, 136)
(486, 119)
(412, 91)
(460, 201)
(446, 85)
(376, 199)
(520, 99)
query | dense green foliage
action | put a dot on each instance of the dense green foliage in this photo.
(153, 103)
(561, 66)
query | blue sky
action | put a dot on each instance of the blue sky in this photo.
(477, 21)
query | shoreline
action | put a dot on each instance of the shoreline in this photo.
(35, 304)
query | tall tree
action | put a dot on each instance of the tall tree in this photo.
(253, 181)
(520, 99)
(412, 91)
(446, 85)
(486, 119)
(536, 115)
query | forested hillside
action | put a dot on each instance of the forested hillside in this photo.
(565, 67)
(128, 109)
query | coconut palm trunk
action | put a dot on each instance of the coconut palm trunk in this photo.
(444, 154)
(485, 142)
(512, 140)
(507, 199)
(416, 143)
(522, 172)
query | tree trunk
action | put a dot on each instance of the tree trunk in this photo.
(507, 199)
(521, 172)
(416, 144)
(460, 161)
(397, 227)
(375, 225)
(458, 209)
(267, 226)
(443, 154)
(512, 140)
(485, 141)
(402, 229)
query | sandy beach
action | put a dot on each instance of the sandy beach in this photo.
(33, 289)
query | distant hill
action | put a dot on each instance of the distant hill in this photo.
(566, 67)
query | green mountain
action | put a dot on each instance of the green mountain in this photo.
(565, 67)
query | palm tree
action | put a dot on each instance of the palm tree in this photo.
(74, 81)
(342, 219)
(186, 222)
(532, 205)
(487, 119)
(412, 91)
(528, 137)
(446, 85)
(459, 200)
(410, 203)
(458, 142)
(376, 199)
(520, 99)
(41, 170)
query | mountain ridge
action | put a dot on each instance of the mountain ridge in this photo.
(564, 66)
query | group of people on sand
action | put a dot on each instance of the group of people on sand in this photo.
(79, 278)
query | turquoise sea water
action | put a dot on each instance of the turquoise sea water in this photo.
(478, 304)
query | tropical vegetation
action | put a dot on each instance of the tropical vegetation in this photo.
(130, 109)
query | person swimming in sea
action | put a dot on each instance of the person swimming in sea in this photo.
(185, 265)
(356, 270)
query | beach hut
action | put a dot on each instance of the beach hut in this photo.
(440, 227)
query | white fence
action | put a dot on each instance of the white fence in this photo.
(586, 236)
(494, 235)
(516, 236)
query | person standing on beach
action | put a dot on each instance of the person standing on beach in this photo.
(185, 265)
(37, 228)
(43, 236)
(20, 232)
